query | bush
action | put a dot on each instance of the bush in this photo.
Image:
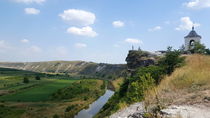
(37, 77)
(55, 116)
(69, 108)
(156, 72)
(171, 60)
(137, 89)
(198, 48)
(25, 80)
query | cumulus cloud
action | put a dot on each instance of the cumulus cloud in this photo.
(198, 4)
(30, 1)
(31, 11)
(118, 24)
(186, 24)
(133, 41)
(80, 45)
(24, 41)
(156, 28)
(78, 17)
(84, 31)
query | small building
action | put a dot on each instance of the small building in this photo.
(191, 38)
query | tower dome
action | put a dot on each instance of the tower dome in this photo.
(192, 34)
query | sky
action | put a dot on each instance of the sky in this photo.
(101, 31)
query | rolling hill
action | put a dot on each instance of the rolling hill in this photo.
(74, 68)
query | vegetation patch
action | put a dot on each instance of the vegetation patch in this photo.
(143, 79)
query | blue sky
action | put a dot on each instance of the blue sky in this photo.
(96, 30)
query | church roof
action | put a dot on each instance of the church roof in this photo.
(192, 34)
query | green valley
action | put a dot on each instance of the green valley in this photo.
(45, 95)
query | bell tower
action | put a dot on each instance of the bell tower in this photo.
(191, 38)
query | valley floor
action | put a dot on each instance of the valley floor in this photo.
(48, 97)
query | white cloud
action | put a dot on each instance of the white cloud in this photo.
(198, 4)
(133, 41)
(156, 28)
(186, 24)
(30, 1)
(78, 17)
(35, 49)
(24, 41)
(80, 45)
(84, 31)
(118, 24)
(32, 11)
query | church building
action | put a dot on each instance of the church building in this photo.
(191, 38)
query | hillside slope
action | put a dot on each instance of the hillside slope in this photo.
(187, 85)
(71, 67)
(183, 94)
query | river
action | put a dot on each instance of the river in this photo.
(95, 106)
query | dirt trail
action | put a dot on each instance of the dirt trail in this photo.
(183, 111)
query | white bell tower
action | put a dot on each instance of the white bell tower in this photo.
(191, 38)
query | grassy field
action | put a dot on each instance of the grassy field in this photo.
(40, 92)
(46, 97)
(189, 84)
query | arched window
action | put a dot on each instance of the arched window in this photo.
(192, 44)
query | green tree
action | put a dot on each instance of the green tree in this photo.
(38, 77)
(137, 89)
(171, 60)
(55, 116)
(156, 72)
(25, 80)
(198, 48)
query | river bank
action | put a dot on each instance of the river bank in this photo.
(95, 106)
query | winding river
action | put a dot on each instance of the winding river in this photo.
(95, 106)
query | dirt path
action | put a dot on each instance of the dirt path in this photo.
(128, 112)
(183, 111)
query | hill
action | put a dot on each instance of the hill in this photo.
(186, 86)
(74, 68)
(185, 93)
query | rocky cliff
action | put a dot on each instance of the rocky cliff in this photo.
(138, 58)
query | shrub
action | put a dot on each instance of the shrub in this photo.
(69, 108)
(137, 89)
(198, 48)
(171, 60)
(25, 80)
(156, 72)
(55, 116)
(37, 77)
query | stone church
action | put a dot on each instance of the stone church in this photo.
(191, 38)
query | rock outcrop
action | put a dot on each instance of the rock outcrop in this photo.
(138, 58)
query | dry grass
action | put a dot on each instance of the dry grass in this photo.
(189, 84)
(117, 82)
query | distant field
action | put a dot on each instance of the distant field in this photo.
(54, 94)
(40, 92)
(11, 84)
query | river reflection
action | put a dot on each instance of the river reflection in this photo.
(95, 106)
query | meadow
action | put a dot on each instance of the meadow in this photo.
(50, 96)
